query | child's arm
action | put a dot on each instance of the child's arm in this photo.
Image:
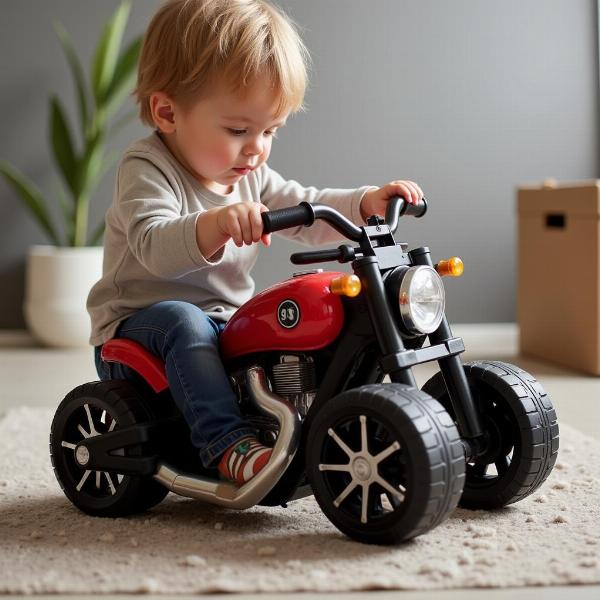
(240, 222)
(149, 209)
(209, 237)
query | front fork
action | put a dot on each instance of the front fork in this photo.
(467, 416)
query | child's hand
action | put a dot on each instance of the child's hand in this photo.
(374, 202)
(243, 223)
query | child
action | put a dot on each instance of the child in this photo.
(216, 79)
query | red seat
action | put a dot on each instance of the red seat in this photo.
(135, 356)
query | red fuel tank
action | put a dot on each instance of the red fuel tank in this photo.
(298, 314)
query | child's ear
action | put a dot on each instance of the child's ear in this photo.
(166, 112)
(162, 107)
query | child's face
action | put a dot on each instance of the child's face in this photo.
(223, 134)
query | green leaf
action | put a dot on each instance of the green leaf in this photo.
(31, 197)
(107, 52)
(76, 71)
(91, 165)
(62, 145)
(124, 76)
(67, 210)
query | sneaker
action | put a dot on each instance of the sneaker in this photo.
(244, 459)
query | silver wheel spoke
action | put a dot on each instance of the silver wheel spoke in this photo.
(340, 442)
(397, 493)
(363, 468)
(345, 493)
(80, 484)
(385, 453)
(365, 502)
(104, 418)
(90, 420)
(345, 468)
(110, 483)
(364, 444)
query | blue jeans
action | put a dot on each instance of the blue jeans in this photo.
(187, 340)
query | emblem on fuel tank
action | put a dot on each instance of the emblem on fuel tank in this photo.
(288, 314)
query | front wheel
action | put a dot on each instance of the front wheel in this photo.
(521, 430)
(385, 462)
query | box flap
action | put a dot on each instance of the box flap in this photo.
(575, 199)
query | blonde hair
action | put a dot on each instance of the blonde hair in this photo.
(191, 44)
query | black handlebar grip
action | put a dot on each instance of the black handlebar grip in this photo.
(415, 210)
(274, 220)
(305, 258)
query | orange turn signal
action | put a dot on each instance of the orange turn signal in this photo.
(452, 267)
(345, 285)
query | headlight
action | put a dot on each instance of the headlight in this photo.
(422, 299)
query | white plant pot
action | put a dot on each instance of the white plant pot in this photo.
(57, 283)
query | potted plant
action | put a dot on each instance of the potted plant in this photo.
(59, 276)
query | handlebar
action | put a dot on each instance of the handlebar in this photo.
(398, 207)
(343, 253)
(306, 213)
(275, 220)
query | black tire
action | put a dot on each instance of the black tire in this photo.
(109, 494)
(429, 464)
(520, 422)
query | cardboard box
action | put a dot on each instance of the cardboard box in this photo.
(558, 297)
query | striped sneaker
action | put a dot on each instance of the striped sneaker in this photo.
(242, 461)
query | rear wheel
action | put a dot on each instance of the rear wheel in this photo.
(385, 463)
(521, 429)
(89, 410)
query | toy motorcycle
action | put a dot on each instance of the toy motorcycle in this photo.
(307, 358)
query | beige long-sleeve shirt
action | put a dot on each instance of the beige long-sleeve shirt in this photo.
(150, 248)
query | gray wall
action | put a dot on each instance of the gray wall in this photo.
(468, 98)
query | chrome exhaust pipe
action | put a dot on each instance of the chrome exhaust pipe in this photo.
(251, 493)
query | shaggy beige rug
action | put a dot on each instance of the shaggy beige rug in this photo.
(183, 546)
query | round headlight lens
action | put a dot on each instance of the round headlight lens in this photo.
(422, 299)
